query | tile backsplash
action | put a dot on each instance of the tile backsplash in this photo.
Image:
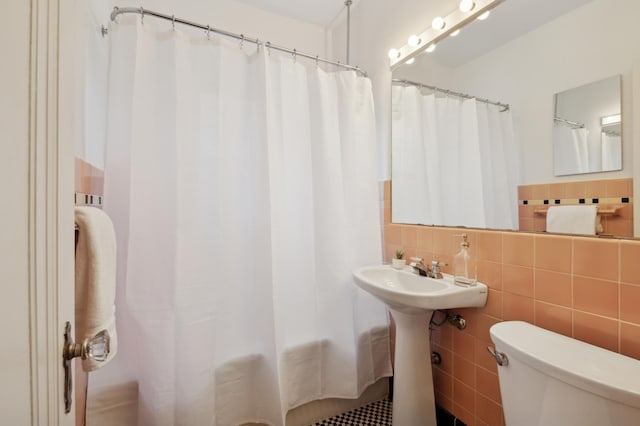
(586, 288)
(88, 179)
(89, 184)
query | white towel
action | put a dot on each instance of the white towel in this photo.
(95, 279)
(572, 219)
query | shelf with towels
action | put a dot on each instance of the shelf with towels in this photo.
(605, 211)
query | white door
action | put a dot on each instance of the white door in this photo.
(36, 211)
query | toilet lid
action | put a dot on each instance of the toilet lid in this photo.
(591, 368)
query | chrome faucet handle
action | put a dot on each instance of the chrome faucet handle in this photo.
(418, 266)
(435, 268)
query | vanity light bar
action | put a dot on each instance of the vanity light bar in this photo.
(452, 22)
(611, 119)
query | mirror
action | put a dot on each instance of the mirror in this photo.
(587, 128)
(523, 55)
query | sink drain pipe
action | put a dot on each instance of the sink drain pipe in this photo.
(456, 320)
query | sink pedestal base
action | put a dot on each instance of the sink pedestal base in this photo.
(413, 397)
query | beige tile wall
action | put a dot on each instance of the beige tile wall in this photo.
(586, 288)
(88, 179)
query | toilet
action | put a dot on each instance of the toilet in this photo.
(549, 379)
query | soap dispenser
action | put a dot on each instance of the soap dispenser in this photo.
(464, 267)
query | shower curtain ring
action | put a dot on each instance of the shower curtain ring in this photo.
(317, 61)
(241, 41)
(208, 32)
(142, 16)
(294, 55)
(268, 46)
(173, 22)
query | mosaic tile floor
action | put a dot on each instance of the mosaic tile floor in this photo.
(379, 414)
(375, 414)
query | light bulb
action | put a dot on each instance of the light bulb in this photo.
(431, 48)
(394, 54)
(410, 61)
(438, 23)
(484, 15)
(455, 33)
(467, 5)
(611, 119)
(414, 41)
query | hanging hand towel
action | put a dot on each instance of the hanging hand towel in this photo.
(572, 219)
(95, 279)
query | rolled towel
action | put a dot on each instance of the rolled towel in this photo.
(572, 219)
(95, 285)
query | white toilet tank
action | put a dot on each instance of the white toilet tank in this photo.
(551, 379)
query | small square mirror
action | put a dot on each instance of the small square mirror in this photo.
(587, 128)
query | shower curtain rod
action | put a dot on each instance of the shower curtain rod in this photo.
(268, 45)
(505, 107)
(569, 122)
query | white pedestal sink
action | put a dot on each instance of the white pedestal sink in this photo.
(411, 300)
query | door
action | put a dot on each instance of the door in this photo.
(36, 211)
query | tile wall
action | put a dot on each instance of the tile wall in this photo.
(586, 288)
(88, 180)
(604, 192)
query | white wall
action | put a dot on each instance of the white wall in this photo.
(92, 67)
(595, 41)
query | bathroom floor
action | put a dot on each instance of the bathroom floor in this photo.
(379, 414)
(375, 414)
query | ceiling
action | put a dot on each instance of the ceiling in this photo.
(318, 12)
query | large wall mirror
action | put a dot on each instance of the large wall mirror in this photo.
(507, 81)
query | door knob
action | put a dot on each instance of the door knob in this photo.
(96, 347)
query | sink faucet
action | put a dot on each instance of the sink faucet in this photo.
(418, 266)
(424, 270)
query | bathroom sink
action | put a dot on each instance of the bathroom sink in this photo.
(411, 300)
(404, 291)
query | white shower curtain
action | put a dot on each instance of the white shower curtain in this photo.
(611, 151)
(571, 150)
(243, 189)
(453, 161)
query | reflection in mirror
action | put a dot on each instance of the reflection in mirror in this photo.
(611, 140)
(586, 131)
(453, 159)
(522, 55)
